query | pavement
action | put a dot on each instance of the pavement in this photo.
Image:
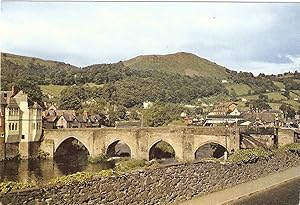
(245, 189)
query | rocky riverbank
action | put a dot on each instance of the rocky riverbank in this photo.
(163, 185)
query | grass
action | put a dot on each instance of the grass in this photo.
(293, 103)
(53, 90)
(272, 96)
(6, 187)
(240, 88)
(279, 84)
(275, 105)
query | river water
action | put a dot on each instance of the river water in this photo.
(285, 194)
(42, 171)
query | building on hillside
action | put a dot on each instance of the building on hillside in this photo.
(225, 108)
(222, 114)
(266, 118)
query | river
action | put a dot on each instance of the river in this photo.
(42, 171)
(284, 194)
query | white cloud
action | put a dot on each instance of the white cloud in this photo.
(235, 35)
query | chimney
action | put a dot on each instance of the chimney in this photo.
(14, 90)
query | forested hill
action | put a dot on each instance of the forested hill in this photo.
(128, 86)
(181, 63)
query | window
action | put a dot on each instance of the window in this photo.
(16, 126)
(9, 126)
(16, 111)
(23, 137)
(33, 125)
(12, 126)
(10, 112)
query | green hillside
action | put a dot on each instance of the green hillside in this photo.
(27, 61)
(182, 63)
(239, 88)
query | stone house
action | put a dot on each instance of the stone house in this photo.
(222, 114)
(225, 108)
(21, 122)
(54, 119)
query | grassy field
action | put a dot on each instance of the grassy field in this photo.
(279, 84)
(53, 90)
(272, 96)
(294, 104)
(240, 88)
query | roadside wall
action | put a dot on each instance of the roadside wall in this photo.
(164, 185)
(286, 136)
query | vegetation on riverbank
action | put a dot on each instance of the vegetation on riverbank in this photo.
(80, 177)
(6, 187)
(253, 155)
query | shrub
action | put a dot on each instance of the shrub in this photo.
(43, 155)
(80, 177)
(249, 155)
(123, 166)
(293, 147)
(98, 159)
(6, 187)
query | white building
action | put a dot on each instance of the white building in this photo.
(23, 119)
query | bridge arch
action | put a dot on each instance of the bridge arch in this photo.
(111, 147)
(129, 141)
(202, 144)
(153, 144)
(62, 140)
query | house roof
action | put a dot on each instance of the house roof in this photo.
(264, 117)
(51, 118)
(12, 103)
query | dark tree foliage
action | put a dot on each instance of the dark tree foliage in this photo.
(258, 84)
(260, 104)
(288, 111)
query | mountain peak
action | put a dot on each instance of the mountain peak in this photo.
(181, 62)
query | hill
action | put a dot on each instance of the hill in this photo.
(27, 61)
(182, 63)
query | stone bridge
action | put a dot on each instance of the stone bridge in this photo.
(184, 140)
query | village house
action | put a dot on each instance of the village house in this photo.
(20, 120)
(55, 119)
(266, 118)
(222, 114)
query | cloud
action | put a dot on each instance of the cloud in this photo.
(234, 35)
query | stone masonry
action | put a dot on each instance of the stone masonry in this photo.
(164, 185)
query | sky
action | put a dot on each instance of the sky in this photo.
(255, 37)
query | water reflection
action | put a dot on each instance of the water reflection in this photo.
(42, 171)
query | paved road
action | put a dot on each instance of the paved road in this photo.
(242, 190)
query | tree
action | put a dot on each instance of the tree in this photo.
(288, 111)
(233, 94)
(31, 88)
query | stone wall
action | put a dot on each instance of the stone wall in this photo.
(286, 136)
(164, 185)
(11, 150)
(2, 149)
